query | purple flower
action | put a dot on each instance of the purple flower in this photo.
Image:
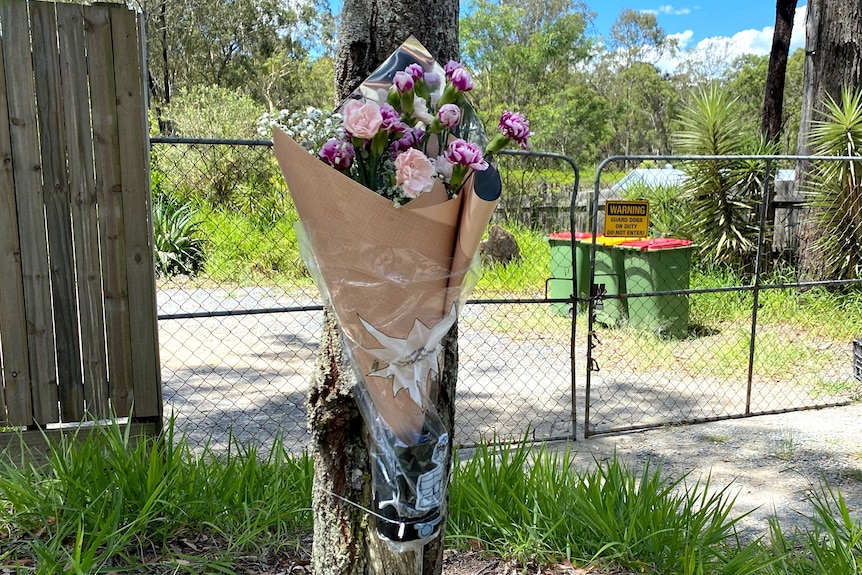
(516, 127)
(461, 80)
(338, 154)
(466, 154)
(403, 82)
(450, 67)
(432, 80)
(391, 119)
(449, 115)
(416, 72)
(410, 139)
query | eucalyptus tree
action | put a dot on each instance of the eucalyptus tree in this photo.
(530, 56)
(345, 542)
(833, 63)
(641, 99)
(773, 104)
(261, 48)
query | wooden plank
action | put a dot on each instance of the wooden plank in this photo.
(55, 190)
(109, 189)
(31, 225)
(85, 222)
(137, 208)
(15, 401)
(34, 447)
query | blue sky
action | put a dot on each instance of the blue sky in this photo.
(745, 24)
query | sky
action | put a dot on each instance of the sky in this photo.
(731, 27)
(742, 26)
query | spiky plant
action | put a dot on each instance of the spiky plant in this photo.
(834, 193)
(723, 194)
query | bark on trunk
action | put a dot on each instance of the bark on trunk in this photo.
(773, 104)
(833, 61)
(345, 541)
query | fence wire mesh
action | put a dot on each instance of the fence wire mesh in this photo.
(757, 314)
(240, 320)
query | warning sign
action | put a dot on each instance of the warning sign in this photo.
(626, 219)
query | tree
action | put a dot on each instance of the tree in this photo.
(525, 57)
(640, 98)
(260, 47)
(774, 98)
(344, 540)
(833, 63)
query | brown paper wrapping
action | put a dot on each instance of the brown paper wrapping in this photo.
(382, 265)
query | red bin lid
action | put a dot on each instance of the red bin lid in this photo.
(568, 235)
(657, 244)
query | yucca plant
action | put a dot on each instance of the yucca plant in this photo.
(834, 190)
(178, 246)
(723, 194)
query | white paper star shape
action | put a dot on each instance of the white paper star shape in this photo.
(410, 360)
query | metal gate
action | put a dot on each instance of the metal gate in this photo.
(238, 342)
(680, 335)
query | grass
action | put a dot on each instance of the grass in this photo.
(105, 504)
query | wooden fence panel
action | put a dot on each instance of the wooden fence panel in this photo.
(109, 190)
(77, 292)
(55, 189)
(135, 169)
(26, 168)
(85, 223)
(14, 370)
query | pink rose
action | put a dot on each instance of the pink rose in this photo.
(414, 172)
(362, 119)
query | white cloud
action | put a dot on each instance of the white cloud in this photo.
(724, 48)
(667, 9)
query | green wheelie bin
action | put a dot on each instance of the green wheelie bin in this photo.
(559, 285)
(658, 265)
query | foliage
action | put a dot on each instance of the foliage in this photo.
(108, 502)
(641, 100)
(835, 189)
(260, 47)
(105, 501)
(177, 238)
(532, 506)
(526, 56)
(211, 111)
(239, 250)
(746, 79)
(669, 209)
(724, 194)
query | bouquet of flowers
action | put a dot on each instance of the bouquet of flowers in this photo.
(390, 222)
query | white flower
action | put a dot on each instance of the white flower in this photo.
(443, 167)
(420, 110)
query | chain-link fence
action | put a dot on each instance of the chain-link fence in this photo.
(749, 303)
(240, 320)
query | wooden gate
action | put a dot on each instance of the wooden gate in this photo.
(78, 332)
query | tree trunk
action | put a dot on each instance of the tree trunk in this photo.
(833, 61)
(773, 103)
(345, 540)
(774, 100)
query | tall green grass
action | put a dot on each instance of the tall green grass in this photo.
(106, 501)
(533, 506)
(106, 504)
